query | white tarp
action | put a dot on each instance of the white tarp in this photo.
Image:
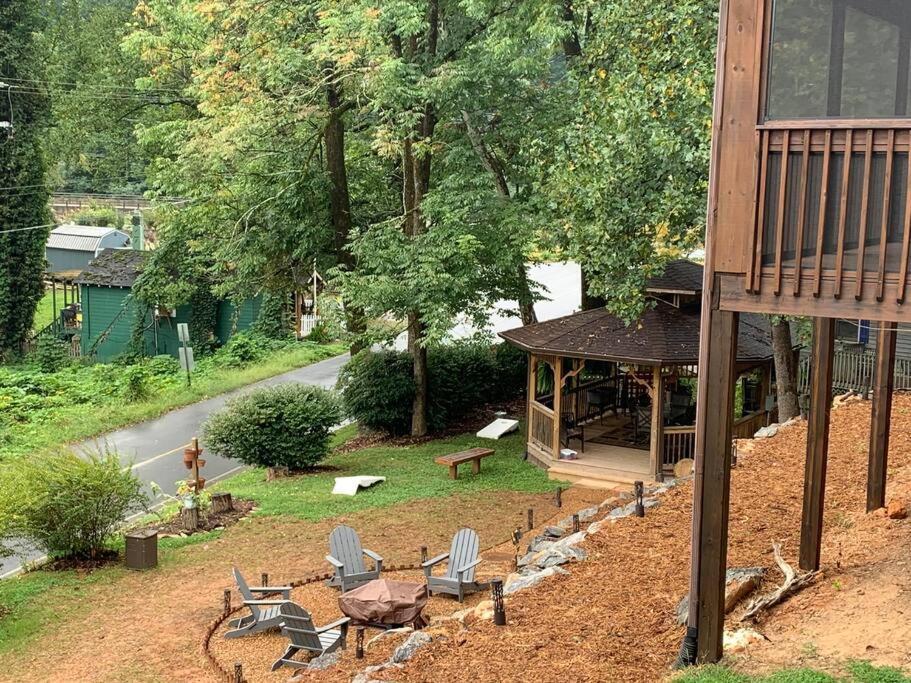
(348, 486)
(498, 428)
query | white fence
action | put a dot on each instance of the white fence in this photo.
(854, 371)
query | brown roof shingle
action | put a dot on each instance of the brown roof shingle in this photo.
(664, 334)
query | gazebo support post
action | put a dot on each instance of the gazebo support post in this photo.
(883, 384)
(656, 444)
(814, 485)
(712, 484)
(532, 390)
(558, 400)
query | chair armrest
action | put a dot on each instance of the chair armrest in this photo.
(284, 590)
(372, 555)
(340, 568)
(265, 602)
(335, 624)
(435, 560)
(470, 565)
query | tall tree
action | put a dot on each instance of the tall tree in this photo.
(24, 212)
(785, 369)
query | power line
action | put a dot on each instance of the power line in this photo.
(31, 227)
(95, 86)
(136, 97)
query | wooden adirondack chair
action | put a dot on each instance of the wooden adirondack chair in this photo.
(297, 627)
(459, 577)
(347, 556)
(264, 614)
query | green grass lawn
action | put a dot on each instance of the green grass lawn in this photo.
(55, 415)
(854, 672)
(45, 312)
(410, 474)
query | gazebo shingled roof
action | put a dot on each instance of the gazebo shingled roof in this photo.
(114, 268)
(680, 276)
(663, 335)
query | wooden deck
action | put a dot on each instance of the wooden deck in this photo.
(603, 466)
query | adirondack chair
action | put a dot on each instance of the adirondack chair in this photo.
(297, 627)
(459, 577)
(264, 614)
(347, 556)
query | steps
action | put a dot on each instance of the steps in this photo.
(595, 475)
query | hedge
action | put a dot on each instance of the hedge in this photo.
(378, 388)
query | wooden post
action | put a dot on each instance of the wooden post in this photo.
(712, 483)
(531, 519)
(227, 601)
(883, 384)
(238, 672)
(558, 401)
(529, 399)
(656, 434)
(814, 485)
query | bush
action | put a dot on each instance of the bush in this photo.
(378, 388)
(275, 319)
(243, 349)
(51, 354)
(283, 426)
(134, 385)
(66, 505)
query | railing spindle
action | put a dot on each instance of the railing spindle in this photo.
(782, 205)
(755, 267)
(843, 215)
(801, 211)
(887, 209)
(864, 219)
(821, 222)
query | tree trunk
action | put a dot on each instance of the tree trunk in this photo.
(571, 46)
(588, 301)
(785, 370)
(496, 169)
(421, 394)
(339, 197)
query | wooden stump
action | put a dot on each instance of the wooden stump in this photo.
(190, 518)
(221, 502)
(273, 473)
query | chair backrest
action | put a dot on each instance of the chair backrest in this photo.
(345, 546)
(297, 617)
(464, 550)
(245, 592)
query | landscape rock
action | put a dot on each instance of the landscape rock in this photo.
(739, 583)
(553, 532)
(518, 582)
(386, 635)
(406, 650)
(552, 553)
(588, 513)
(767, 432)
(741, 639)
(325, 661)
(896, 509)
(366, 676)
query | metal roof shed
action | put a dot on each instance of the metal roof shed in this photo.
(71, 247)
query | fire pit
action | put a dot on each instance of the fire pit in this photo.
(385, 604)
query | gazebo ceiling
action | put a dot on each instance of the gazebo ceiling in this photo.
(664, 335)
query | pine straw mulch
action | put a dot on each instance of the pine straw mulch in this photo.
(149, 625)
(612, 619)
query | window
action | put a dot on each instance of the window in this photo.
(839, 59)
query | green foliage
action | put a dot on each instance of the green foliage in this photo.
(98, 214)
(51, 354)
(275, 317)
(39, 410)
(244, 348)
(22, 165)
(66, 505)
(857, 672)
(203, 320)
(320, 334)
(378, 388)
(283, 426)
(134, 384)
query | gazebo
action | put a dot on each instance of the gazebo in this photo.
(622, 398)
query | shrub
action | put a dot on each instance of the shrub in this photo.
(66, 505)
(134, 384)
(378, 388)
(243, 349)
(275, 319)
(283, 426)
(51, 354)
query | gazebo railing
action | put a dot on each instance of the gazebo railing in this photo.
(679, 443)
(541, 432)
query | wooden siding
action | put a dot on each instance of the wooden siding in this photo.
(107, 312)
(246, 315)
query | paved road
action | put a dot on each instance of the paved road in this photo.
(155, 448)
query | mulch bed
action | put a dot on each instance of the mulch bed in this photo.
(208, 522)
(82, 564)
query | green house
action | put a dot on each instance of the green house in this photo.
(109, 312)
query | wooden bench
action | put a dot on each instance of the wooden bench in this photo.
(453, 460)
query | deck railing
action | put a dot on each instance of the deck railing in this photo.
(679, 443)
(853, 371)
(832, 213)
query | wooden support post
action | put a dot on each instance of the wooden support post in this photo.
(814, 485)
(656, 435)
(883, 384)
(227, 601)
(712, 484)
(531, 519)
(531, 390)
(558, 403)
